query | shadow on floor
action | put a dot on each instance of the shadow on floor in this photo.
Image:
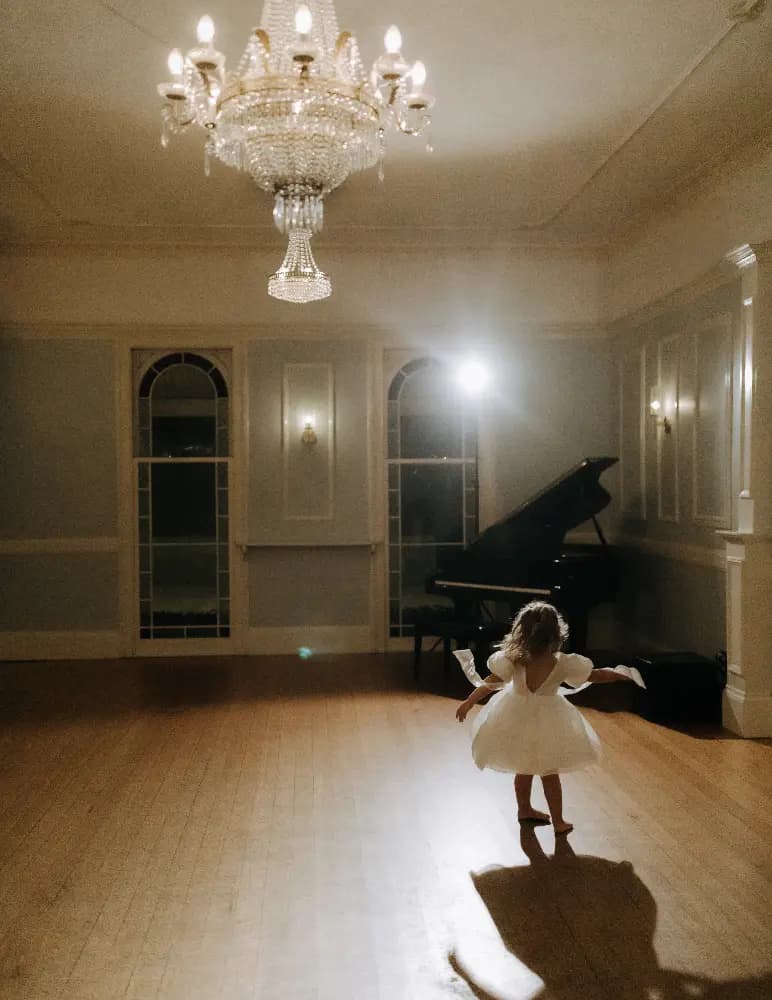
(585, 925)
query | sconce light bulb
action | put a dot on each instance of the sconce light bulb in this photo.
(175, 62)
(393, 40)
(205, 30)
(308, 437)
(655, 406)
(418, 73)
(303, 19)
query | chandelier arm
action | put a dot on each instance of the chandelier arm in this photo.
(343, 39)
(265, 41)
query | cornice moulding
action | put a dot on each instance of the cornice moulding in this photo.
(187, 334)
(723, 273)
(369, 242)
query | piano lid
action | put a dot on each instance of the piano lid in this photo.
(536, 529)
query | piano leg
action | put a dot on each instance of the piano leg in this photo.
(577, 624)
(447, 633)
(447, 652)
(417, 640)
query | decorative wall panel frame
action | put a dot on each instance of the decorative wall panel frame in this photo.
(720, 324)
(626, 460)
(669, 440)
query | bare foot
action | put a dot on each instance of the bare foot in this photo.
(533, 816)
(563, 827)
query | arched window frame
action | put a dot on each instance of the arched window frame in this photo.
(144, 459)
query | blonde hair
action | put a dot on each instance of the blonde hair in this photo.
(538, 628)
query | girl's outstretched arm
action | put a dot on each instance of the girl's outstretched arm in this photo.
(477, 695)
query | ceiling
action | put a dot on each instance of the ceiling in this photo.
(556, 123)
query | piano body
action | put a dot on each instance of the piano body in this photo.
(523, 557)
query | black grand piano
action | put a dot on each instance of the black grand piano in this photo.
(524, 557)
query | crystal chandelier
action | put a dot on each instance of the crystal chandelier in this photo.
(298, 114)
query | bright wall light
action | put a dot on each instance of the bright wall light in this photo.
(473, 376)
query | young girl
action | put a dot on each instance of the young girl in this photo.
(528, 728)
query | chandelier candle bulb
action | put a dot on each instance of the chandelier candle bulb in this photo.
(392, 40)
(176, 63)
(204, 56)
(303, 20)
(417, 100)
(418, 74)
(205, 30)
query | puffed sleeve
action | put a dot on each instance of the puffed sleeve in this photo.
(501, 665)
(574, 668)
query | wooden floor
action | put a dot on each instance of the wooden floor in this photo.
(316, 830)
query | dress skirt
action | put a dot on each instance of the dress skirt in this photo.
(533, 734)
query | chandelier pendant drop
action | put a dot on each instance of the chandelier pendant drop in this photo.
(299, 114)
(299, 279)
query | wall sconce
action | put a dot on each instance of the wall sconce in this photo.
(308, 438)
(655, 410)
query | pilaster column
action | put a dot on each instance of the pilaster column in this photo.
(747, 708)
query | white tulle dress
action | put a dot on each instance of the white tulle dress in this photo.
(535, 732)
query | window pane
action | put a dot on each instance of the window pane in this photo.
(183, 501)
(428, 436)
(430, 416)
(183, 408)
(184, 584)
(432, 509)
(418, 565)
(187, 437)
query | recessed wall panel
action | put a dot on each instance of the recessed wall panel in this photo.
(632, 500)
(309, 586)
(712, 424)
(59, 591)
(57, 447)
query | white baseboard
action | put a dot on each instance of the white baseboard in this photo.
(747, 715)
(102, 645)
(317, 638)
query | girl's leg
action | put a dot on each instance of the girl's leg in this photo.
(553, 792)
(525, 811)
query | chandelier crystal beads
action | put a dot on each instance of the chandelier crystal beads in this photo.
(299, 114)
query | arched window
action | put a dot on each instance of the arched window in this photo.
(181, 454)
(432, 483)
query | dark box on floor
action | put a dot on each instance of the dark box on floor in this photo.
(680, 687)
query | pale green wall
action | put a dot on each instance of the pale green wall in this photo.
(670, 604)
(307, 586)
(57, 439)
(59, 592)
